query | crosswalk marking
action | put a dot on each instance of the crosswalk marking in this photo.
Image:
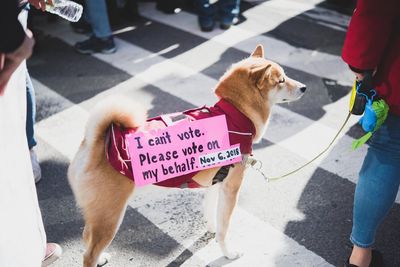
(261, 244)
(262, 19)
(163, 73)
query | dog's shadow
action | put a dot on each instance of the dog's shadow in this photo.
(200, 243)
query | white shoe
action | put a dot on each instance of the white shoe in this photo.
(53, 253)
(37, 172)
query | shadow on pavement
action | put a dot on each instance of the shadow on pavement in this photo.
(327, 204)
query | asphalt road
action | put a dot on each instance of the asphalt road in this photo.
(166, 63)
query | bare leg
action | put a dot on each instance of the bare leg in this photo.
(360, 256)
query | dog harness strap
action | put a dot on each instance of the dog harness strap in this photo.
(168, 118)
(221, 174)
(171, 118)
(117, 152)
(107, 143)
(241, 131)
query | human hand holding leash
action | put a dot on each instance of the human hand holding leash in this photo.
(9, 62)
(360, 75)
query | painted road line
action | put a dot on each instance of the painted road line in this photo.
(262, 19)
(195, 88)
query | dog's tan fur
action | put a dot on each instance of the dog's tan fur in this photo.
(252, 85)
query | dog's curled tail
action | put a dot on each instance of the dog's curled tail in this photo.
(115, 109)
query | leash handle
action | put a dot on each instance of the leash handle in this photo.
(361, 93)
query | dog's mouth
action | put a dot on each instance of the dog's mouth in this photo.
(292, 99)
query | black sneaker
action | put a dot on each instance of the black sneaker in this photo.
(96, 45)
(226, 23)
(206, 23)
(376, 260)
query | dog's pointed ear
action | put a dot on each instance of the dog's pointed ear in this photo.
(260, 74)
(258, 52)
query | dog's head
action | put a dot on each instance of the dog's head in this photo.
(254, 84)
(271, 79)
(258, 76)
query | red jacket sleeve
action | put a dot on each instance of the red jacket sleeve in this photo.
(368, 34)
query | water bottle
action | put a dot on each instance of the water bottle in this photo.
(66, 9)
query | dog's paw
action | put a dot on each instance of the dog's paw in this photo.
(103, 259)
(233, 255)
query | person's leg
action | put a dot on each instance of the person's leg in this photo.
(102, 39)
(82, 25)
(206, 13)
(29, 127)
(229, 12)
(30, 112)
(96, 11)
(376, 189)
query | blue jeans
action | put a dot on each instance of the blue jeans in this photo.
(227, 9)
(30, 111)
(378, 183)
(96, 15)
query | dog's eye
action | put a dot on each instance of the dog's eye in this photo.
(282, 80)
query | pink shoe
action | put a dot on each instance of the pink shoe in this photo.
(53, 253)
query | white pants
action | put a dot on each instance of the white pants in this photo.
(22, 236)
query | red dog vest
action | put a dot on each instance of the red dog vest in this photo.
(241, 131)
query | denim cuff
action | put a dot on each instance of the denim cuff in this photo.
(359, 244)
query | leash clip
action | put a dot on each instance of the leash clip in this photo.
(257, 165)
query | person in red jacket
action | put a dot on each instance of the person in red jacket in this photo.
(372, 45)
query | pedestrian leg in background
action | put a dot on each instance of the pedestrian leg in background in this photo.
(206, 14)
(82, 26)
(228, 13)
(102, 40)
(30, 132)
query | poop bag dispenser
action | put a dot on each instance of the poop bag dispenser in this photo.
(374, 116)
(368, 121)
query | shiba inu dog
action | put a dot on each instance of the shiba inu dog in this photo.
(247, 92)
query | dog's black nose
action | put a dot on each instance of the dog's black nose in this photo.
(303, 89)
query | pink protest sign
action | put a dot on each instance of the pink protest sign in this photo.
(185, 147)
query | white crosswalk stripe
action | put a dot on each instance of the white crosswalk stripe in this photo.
(295, 138)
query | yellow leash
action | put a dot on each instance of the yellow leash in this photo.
(257, 165)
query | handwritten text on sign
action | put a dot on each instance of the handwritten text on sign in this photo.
(182, 148)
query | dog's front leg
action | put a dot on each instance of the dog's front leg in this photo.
(228, 194)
